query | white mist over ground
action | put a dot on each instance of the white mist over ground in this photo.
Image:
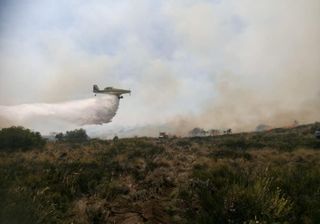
(95, 110)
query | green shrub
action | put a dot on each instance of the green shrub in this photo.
(75, 136)
(302, 184)
(235, 143)
(229, 195)
(19, 138)
(17, 208)
(44, 192)
(232, 154)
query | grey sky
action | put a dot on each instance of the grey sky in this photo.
(210, 63)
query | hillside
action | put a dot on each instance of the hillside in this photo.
(260, 177)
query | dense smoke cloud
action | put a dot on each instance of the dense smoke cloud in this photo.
(213, 64)
(97, 110)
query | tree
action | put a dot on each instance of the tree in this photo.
(59, 136)
(77, 135)
(20, 138)
(197, 132)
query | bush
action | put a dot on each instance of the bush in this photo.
(227, 195)
(19, 138)
(77, 135)
(232, 154)
(43, 192)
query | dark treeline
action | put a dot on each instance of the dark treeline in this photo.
(77, 135)
(14, 138)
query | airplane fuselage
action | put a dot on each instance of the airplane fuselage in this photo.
(111, 91)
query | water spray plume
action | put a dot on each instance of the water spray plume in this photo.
(96, 110)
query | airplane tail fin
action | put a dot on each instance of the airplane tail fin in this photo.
(95, 88)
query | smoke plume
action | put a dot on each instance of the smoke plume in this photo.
(208, 64)
(96, 110)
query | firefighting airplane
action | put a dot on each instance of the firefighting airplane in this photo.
(111, 91)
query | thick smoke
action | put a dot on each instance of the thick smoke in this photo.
(209, 64)
(96, 110)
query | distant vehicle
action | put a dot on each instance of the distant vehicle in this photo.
(163, 135)
(111, 91)
(317, 134)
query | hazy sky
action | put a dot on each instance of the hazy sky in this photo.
(215, 63)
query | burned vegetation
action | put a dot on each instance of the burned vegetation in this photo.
(265, 177)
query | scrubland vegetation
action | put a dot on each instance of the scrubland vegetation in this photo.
(15, 138)
(267, 177)
(77, 136)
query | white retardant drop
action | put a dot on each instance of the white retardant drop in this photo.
(96, 110)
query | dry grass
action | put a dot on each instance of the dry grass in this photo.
(189, 180)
